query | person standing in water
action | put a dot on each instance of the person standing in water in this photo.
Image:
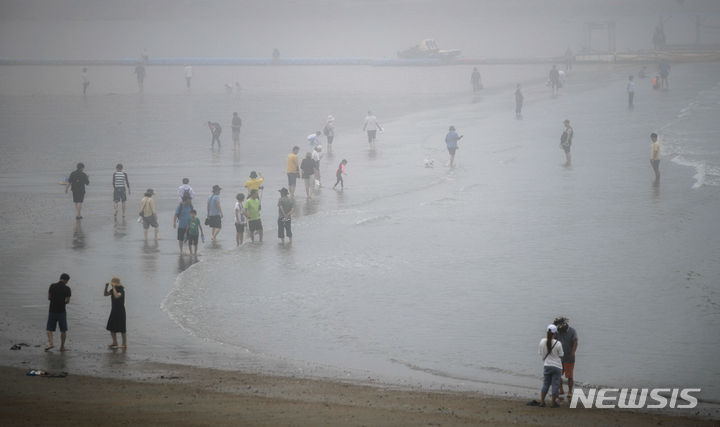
(59, 296)
(254, 183)
(314, 139)
(215, 131)
(307, 166)
(316, 156)
(664, 73)
(655, 156)
(77, 181)
(566, 141)
(116, 321)
(120, 182)
(371, 125)
(149, 213)
(235, 125)
(293, 169)
(475, 79)
(252, 213)
(451, 140)
(286, 207)
(630, 88)
(568, 338)
(185, 190)
(181, 219)
(188, 76)
(339, 173)
(329, 132)
(239, 218)
(140, 74)
(554, 77)
(85, 80)
(551, 351)
(194, 230)
(518, 102)
(214, 212)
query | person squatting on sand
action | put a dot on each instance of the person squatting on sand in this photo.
(116, 321)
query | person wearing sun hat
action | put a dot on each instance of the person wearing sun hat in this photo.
(568, 338)
(551, 352)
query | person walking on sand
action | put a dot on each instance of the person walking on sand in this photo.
(451, 140)
(518, 102)
(554, 80)
(255, 182)
(120, 182)
(215, 131)
(314, 139)
(316, 156)
(185, 190)
(252, 213)
(308, 169)
(188, 76)
(329, 132)
(339, 173)
(568, 338)
(149, 213)
(181, 219)
(293, 169)
(655, 156)
(59, 296)
(664, 73)
(214, 212)
(116, 321)
(239, 218)
(630, 88)
(140, 74)
(551, 352)
(371, 125)
(286, 207)
(77, 181)
(236, 124)
(566, 141)
(85, 80)
(194, 230)
(475, 80)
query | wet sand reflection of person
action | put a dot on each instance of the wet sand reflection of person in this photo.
(78, 241)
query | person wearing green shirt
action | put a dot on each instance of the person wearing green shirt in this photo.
(194, 228)
(252, 212)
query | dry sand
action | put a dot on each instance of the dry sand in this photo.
(179, 395)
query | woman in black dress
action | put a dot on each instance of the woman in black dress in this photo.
(116, 322)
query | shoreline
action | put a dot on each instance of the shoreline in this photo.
(181, 395)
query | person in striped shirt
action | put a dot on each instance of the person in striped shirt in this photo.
(120, 182)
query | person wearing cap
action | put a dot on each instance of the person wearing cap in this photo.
(214, 212)
(329, 131)
(116, 321)
(254, 183)
(77, 181)
(149, 213)
(568, 338)
(286, 207)
(551, 351)
(451, 140)
(307, 166)
(252, 213)
(316, 156)
(566, 141)
(293, 169)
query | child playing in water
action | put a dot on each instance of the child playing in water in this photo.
(339, 173)
(194, 228)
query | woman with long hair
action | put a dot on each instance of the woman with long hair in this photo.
(551, 352)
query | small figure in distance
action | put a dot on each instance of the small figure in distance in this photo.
(329, 131)
(236, 124)
(554, 80)
(371, 126)
(566, 141)
(451, 140)
(476, 80)
(215, 131)
(85, 80)
(188, 76)
(631, 91)
(518, 102)
(655, 156)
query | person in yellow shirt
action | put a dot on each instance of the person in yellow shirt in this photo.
(655, 156)
(254, 183)
(293, 169)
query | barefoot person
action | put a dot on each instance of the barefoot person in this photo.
(329, 131)
(255, 182)
(235, 126)
(194, 231)
(551, 352)
(286, 207)
(568, 338)
(149, 213)
(339, 173)
(181, 219)
(307, 166)
(655, 156)
(77, 181)
(252, 213)
(239, 218)
(316, 156)
(371, 125)
(120, 182)
(214, 212)
(59, 296)
(116, 321)
(566, 142)
(293, 169)
(451, 140)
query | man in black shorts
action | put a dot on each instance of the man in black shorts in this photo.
(77, 181)
(120, 182)
(58, 295)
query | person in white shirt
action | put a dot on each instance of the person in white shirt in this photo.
(188, 75)
(314, 139)
(185, 190)
(371, 126)
(551, 352)
(239, 218)
(316, 156)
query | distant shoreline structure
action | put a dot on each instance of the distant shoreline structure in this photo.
(682, 55)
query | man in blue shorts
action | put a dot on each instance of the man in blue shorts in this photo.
(58, 295)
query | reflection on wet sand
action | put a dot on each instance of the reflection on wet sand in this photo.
(120, 228)
(185, 261)
(78, 241)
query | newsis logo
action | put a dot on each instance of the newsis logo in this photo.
(635, 398)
